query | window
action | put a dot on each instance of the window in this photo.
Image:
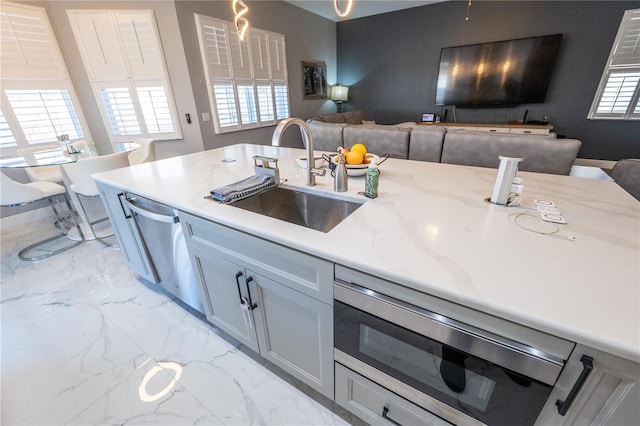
(247, 80)
(37, 100)
(123, 57)
(618, 95)
(44, 114)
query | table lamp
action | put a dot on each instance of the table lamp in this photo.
(339, 94)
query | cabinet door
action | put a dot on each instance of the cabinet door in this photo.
(224, 286)
(128, 236)
(609, 395)
(295, 332)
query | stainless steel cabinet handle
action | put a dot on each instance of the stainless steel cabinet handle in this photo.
(385, 414)
(587, 368)
(151, 215)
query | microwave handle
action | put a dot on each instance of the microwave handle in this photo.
(587, 368)
(385, 414)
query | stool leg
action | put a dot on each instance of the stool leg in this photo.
(91, 223)
(38, 247)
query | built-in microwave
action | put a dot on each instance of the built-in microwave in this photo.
(456, 371)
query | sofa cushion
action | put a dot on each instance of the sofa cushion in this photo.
(379, 139)
(326, 136)
(333, 118)
(540, 154)
(426, 143)
(353, 117)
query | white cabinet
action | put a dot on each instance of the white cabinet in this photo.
(126, 231)
(521, 129)
(610, 395)
(275, 300)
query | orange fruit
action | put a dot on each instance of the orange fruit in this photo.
(354, 158)
(359, 148)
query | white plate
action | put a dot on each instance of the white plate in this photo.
(359, 169)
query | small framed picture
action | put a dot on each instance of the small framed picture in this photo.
(314, 80)
(428, 117)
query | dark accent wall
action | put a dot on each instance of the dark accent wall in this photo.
(391, 62)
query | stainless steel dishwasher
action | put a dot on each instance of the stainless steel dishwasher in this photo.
(165, 248)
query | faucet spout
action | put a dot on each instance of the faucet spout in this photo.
(307, 140)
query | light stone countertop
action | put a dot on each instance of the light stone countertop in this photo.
(431, 230)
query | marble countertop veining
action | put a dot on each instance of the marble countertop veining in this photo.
(430, 229)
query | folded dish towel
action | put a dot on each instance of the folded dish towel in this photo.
(242, 189)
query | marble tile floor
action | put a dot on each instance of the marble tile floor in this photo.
(83, 342)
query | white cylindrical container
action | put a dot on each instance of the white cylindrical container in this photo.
(504, 179)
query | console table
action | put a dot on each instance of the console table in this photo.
(521, 129)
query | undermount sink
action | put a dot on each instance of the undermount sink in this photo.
(310, 210)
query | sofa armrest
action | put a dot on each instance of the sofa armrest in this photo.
(540, 155)
(425, 143)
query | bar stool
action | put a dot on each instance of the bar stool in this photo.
(13, 194)
(85, 187)
(626, 173)
(45, 173)
(144, 154)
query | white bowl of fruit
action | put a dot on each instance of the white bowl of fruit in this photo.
(356, 159)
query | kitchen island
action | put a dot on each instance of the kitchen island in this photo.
(431, 232)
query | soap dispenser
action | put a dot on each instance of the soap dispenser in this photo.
(340, 180)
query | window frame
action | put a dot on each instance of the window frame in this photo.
(257, 62)
(618, 64)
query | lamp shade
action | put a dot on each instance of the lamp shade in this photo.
(339, 93)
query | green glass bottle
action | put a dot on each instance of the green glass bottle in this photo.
(371, 180)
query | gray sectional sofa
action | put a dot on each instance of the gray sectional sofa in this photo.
(543, 154)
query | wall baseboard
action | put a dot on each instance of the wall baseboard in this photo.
(25, 218)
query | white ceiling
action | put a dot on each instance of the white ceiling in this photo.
(361, 8)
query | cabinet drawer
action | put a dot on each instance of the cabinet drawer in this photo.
(493, 129)
(461, 128)
(373, 403)
(529, 131)
(307, 274)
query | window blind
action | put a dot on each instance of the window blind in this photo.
(37, 98)
(618, 93)
(123, 56)
(246, 80)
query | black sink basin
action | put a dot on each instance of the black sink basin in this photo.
(313, 211)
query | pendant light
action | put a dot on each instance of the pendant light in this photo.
(346, 12)
(239, 10)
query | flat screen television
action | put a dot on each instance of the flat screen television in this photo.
(501, 73)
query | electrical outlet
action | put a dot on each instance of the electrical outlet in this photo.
(206, 116)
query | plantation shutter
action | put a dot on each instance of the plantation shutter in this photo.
(37, 100)
(123, 56)
(618, 95)
(240, 77)
(29, 48)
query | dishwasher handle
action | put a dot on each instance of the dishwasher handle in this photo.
(138, 209)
